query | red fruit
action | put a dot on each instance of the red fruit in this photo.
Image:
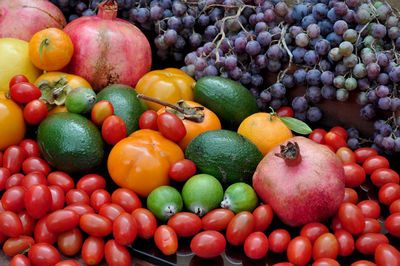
(392, 224)
(100, 111)
(35, 112)
(182, 170)
(285, 111)
(148, 120)
(351, 218)
(367, 243)
(17, 79)
(208, 244)
(113, 129)
(24, 92)
(171, 126)
(256, 245)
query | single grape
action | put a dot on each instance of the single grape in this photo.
(327, 78)
(200, 63)
(261, 61)
(288, 81)
(278, 90)
(313, 30)
(264, 38)
(340, 8)
(367, 112)
(360, 71)
(346, 48)
(342, 95)
(274, 52)
(339, 82)
(334, 39)
(188, 21)
(350, 61)
(314, 114)
(350, 35)
(257, 80)
(362, 98)
(300, 76)
(298, 55)
(340, 27)
(313, 77)
(302, 40)
(328, 92)
(372, 97)
(384, 103)
(170, 37)
(352, 143)
(395, 104)
(319, 11)
(385, 130)
(373, 70)
(274, 66)
(322, 47)
(265, 96)
(341, 69)
(313, 94)
(299, 104)
(335, 55)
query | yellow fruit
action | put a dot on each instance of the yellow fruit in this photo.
(264, 132)
(12, 124)
(15, 60)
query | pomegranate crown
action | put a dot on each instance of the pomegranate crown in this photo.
(290, 153)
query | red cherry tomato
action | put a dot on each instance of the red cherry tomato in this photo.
(394, 206)
(285, 111)
(14, 180)
(185, 224)
(95, 224)
(382, 176)
(354, 175)
(76, 196)
(364, 153)
(166, 239)
(363, 263)
(126, 198)
(125, 229)
(33, 178)
(15, 245)
(336, 224)
(392, 224)
(13, 199)
(350, 195)
(375, 162)
(148, 120)
(208, 244)
(10, 224)
(13, 158)
(61, 179)
(239, 228)
(30, 147)
(345, 241)
(325, 262)
(182, 170)
(100, 111)
(313, 230)
(70, 242)
(17, 79)
(367, 243)
(35, 164)
(4, 175)
(146, 222)
(370, 209)
(44, 254)
(93, 250)
(326, 246)
(371, 226)
(98, 198)
(20, 260)
(217, 219)
(80, 208)
(62, 220)
(38, 201)
(334, 140)
(299, 250)
(111, 211)
(28, 223)
(256, 245)
(35, 112)
(116, 254)
(171, 126)
(346, 155)
(279, 240)
(389, 193)
(318, 135)
(351, 218)
(113, 129)
(386, 254)
(340, 131)
(24, 92)
(263, 216)
(57, 198)
(43, 234)
(68, 263)
(90, 183)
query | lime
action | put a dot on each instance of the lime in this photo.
(164, 202)
(202, 193)
(80, 100)
(239, 197)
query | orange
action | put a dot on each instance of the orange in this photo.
(12, 124)
(50, 49)
(263, 131)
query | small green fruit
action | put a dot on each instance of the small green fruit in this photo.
(164, 202)
(239, 197)
(80, 100)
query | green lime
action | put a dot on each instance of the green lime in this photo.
(202, 193)
(239, 197)
(164, 202)
(80, 100)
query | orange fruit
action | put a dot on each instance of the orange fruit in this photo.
(12, 123)
(263, 131)
(50, 49)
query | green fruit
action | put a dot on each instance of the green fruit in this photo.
(239, 197)
(126, 104)
(80, 100)
(202, 193)
(164, 202)
(225, 154)
(69, 142)
(227, 98)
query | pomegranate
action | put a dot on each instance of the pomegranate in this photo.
(302, 181)
(21, 19)
(108, 50)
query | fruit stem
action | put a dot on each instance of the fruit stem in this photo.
(45, 42)
(290, 153)
(108, 9)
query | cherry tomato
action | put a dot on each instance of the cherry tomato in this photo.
(61, 179)
(38, 201)
(325, 262)
(125, 229)
(284, 264)
(256, 245)
(15, 245)
(33, 178)
(382, 176)
(35, 112)
(217, 219)
(93, 250)
(394, 206)
(166, 239)
(182, 170)
(100, 111)
(126, 198)
(350, 195)
(13, 158)
(371, 226)
(90, 183)
(239, 228)
(389, 193)
(113, 129)
(346, 155)
(95, 224)
(148, 120)
(364, 153)
(345, 241)
(334, 140)
(111, 211)
(80, 208)
(279, 240)
(370, 209)
(24, 92)
(62, 220)
(116, 254)
(67, 263)
(367, 243)
(392, 224)
(299, 250)
(17, 79)
(146, 222)
(318, 135)
(35, 164)
(76, 196)
(285, 111)
(4, 175)
(351, 218)
(325, 246)
(20, 260)
(375, 162)
(98, 198)
(363, 263)
(340, 131)
(354, 175)
(208, 244)
(14, 180)
(386, 254)
(43, 234)
(30, 147)
(28, 223)
(185, 224)
(13, 199)
(263, 216)
(57, 198)
(44, 254)
(313, 230)
(171, 126)
(336, 224)
(70, 242)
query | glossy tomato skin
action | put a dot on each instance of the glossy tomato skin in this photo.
(340, 131)
(182, 170)
(171, 126)
(394, 206)
(334, 140)
(256, 245)
(148, 120)
(4, 175)
(371, 226)
(166, 239)
(28, 223)
(125, 229)
(35, 112)
(76, 196)
(44, 254)
(38, 201)
(30, 147)
(95, 224)
(217, 219)
(146, 222)
(80, 208)
(67, 263)
(325, 246)
(350, 195)
(93, 250)
(14, 180)
(20, 260)
(382, 176)
(370, 209)
(113, 129)
(389, 193)
(325, 262)
(126, 198)
(70, 242)
(239, 228)
(363, 263)
(354, 175)
(279, 240)
(367, 243)
(13, 158)
(17, 79)
(386, 254)
(313, 230)
(116, 254)
(100, 111)
(364, 153)
(318, 135)
(10, 224)
(15, 245)
(185, 224)
(62, 220)
(24, 92)
(42, 234)
(57, 198)
(299, 250)
(285, 111)
(91, 182)
(111, 211)
(375, 162)
(33, 178)
(345, 241)
(98, 198)
(13, 199)
(346, 155)
(208, 244)
(61, 179)
(263, 216)
(33, 164)
(392, 224)
(351, 218)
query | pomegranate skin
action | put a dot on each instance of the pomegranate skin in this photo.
(308, 192)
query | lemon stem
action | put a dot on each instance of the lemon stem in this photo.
(45, 42)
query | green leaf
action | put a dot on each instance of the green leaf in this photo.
(296, 125)
(45, 42)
